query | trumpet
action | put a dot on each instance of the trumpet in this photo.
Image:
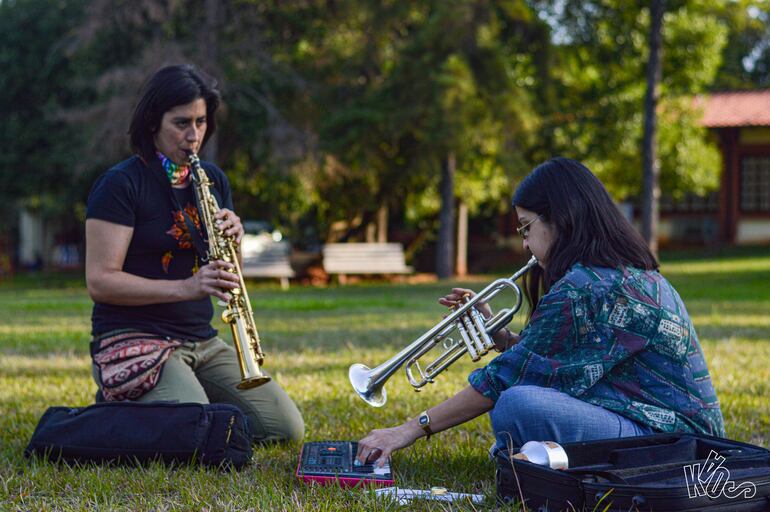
(475, 339)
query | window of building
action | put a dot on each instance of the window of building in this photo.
(690, 203)
(755, 184)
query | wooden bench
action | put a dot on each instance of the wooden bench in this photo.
(271, 262)
(364, 258)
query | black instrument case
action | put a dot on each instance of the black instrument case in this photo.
(660, 473)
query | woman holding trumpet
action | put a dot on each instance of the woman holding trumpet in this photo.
(609, 350)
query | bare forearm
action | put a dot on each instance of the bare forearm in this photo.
(124, 289)
(464, 406)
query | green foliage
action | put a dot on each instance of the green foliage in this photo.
(691, 37)
(468, 95)
(746, 58)
(37, 148)
(44, 326)
(332, 110)
(690, 160)
(601, 78)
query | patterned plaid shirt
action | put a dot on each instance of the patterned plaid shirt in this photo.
(619, 339)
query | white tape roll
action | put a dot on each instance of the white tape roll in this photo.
(544, 453)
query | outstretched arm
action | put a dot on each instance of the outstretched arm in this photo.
(464, 406)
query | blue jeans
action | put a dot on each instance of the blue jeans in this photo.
(534, 413)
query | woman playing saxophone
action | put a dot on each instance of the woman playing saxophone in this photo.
(149, 276)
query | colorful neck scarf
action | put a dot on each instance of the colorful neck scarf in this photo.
(177, 174)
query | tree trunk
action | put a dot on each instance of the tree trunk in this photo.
(382, 224)
(371, 232)
(462, 239)
(210, 55)
(651, 190)
(445, 248)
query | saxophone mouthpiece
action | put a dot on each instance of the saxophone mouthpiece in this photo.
(192, 157)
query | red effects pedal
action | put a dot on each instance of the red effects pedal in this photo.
(332, 462)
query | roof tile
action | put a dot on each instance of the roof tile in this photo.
(736, 108)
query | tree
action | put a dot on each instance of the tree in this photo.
(468, 106)
(651, 166)
(339, 111)
(38, 150)
(746, 56)
(124, 42)
(599, 80)
(404, 95)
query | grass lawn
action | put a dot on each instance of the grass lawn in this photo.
(311, 336)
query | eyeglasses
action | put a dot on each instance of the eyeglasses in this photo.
(524, 230)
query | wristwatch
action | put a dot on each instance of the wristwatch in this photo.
(424, 421)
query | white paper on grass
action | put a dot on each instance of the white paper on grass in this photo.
(404, 496)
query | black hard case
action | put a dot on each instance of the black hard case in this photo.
(645, 473)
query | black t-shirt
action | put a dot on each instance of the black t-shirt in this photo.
(138, 195)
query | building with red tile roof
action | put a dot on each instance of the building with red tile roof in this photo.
(741, 122)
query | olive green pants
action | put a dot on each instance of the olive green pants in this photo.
(208, 371)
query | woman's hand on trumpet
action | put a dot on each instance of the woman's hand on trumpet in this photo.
(458, 297)
(503, 338)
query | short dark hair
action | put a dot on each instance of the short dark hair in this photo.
(167, 88)
(590, 229)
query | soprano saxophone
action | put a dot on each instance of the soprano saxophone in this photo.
(237, 313)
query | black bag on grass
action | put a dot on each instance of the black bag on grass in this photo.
(211, 434)
(660, 473)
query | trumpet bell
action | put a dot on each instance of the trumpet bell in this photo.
(360, 377)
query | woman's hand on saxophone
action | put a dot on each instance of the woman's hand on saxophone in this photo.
(230, 224)
(214, 279)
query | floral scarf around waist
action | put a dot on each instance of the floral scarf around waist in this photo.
(130, 362)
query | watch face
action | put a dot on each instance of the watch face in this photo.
(424, 420)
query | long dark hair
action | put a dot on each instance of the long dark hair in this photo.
(167, 88)
(589, 227)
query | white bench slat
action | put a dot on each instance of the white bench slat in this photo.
(365, 258)
(272, 262)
